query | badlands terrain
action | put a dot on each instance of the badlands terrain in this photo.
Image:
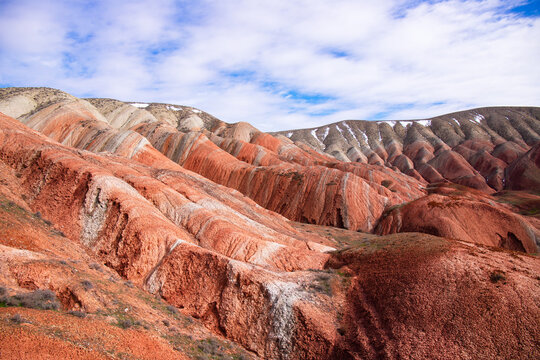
(157, 231)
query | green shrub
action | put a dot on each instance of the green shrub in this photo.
(172, 309)
(18, 319)
(87, 285)
(79, 314)
(37, 299)
(497, 276)
(125, 323)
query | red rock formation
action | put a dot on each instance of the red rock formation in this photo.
(243, 271)
(464, 215)
(294, 180)
(415, 296)
(315, 194)
(524, 172)
(102, 201)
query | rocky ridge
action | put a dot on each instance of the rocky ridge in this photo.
(471, 148)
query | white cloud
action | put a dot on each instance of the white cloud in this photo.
(399, 58)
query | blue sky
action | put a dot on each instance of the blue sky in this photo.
(280, 64)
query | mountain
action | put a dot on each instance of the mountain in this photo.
(471, 148)
(138, 230)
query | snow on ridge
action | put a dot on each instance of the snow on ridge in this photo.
(477, 118)
(140, 105)
(313, 132)
(196, 111)
(340, 131)
(172, 107)
(392, 123)
(326, 131)
(289, 134)
(424, 122)
(351, 131)
(364, 136)
(405, 123)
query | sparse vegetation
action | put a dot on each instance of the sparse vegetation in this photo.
(18, 319)
(125, 323)
(172, 309)
(37, 299)
(321, 284)
(209, 348)
(87, 285)
(79, 314)
(95, 266)
(497, 276)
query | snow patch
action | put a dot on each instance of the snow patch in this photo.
(392, 123)
(289, 134)
(364, 136)
(405, 123)
(424, 122)
(351, 132)
(314, 133)
(140, 105)
(477, 118)
(326, 131)
(196, 111)
(340, 131)
(171, 107)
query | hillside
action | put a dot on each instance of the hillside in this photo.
(471, 148)
(132, 230)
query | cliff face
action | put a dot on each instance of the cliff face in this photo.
(471, 148)
(195, 213)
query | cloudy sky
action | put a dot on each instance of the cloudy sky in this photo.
(280, 64)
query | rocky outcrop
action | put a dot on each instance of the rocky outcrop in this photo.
(471, 148)
(524, 172)
(314, 194)
(142, 228)
(417, 296)
(109, 182)
(290, 189)
(294, 179)
(458, 213)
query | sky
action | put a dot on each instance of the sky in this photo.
(281, 64)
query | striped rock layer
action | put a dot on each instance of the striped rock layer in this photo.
(194, 211)
(471, 148)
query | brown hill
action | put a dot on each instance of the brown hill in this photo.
(471, 148)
